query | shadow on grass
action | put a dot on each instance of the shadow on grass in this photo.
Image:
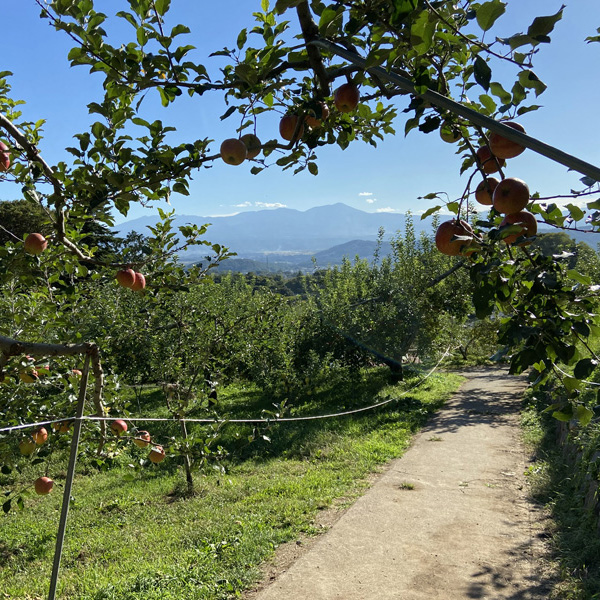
(301, 439)
(575, 537)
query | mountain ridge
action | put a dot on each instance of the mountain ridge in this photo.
(288, 230)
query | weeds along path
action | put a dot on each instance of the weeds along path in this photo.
(448, 520)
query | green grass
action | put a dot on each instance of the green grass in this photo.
(557, 482)
(139, 538)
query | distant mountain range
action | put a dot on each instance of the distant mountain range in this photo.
(291, 237)
(285, 239)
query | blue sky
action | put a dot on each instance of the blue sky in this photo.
(389, 178)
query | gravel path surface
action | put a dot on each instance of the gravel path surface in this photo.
(448, 520)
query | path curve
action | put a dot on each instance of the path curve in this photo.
(448, 520)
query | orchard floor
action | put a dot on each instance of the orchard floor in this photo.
(449, 520)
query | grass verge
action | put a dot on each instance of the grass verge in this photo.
(139, 538)
(559, 480)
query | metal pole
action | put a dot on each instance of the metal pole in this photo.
(572, 162)
(62, 525)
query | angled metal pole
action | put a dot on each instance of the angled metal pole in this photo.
(568, 160)
(62, 525)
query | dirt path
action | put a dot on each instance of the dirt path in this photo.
(448, 520)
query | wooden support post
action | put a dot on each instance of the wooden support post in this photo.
(60, 537)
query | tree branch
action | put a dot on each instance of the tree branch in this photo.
(310, 32)
(32, 153)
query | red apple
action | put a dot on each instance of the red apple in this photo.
(484, 191)
(346, 98)
(449, 230)
(503, 147)
(528, 226)
(233, 151)
(142, 439)
(157, 454)
(40, 435)
(511, 195)
(316, 121)
(253, 145)
(487, 162)
(118, 427)
(4, 157)
(35, 243)
(126, 278)
(140, 283)
(287, 128)
(43, 485)
(27, 446)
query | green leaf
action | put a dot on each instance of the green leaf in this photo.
(482, 73)
(516, 41)
(264, 5)
(313, 169)
(430, 211)
(328, 15)
(453, 207)
(422, 33)
(142, 36)
(488, 12)
(542, 26)
(595, 205)
(228, 113)
(488, 102)
(162, 6)
(528, 79)
(242, 37)
(577, 276)
(500, 92)
(526, 109)
(402, 8)
(576, 212)
(181, 188)
(564, 416)
(583, 414)
(585, 367)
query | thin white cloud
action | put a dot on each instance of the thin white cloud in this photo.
(225, 215)
(371, 200)
(243, 205)
(270, 205)
(365, 193)
(387, 209)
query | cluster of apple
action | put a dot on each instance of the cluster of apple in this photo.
(27, 446)
(508, 197)
(44, 485)
(142, 439)
(235, 151)
(128, 278)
